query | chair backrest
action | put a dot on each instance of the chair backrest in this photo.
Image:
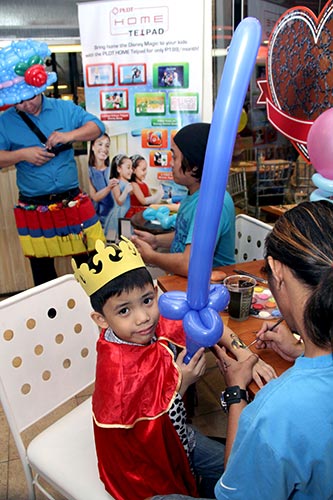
(273, 152)
(237, 188)
(250, 238)
(301, 181)
(272, 183)
(48, 349)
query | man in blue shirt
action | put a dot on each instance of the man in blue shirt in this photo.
(188, 149)
(53, 217)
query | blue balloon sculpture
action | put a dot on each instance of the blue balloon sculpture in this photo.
(325, 188)
(199, 307)
(162, 215)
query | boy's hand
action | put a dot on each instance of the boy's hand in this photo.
(235, 372)
(192, 371)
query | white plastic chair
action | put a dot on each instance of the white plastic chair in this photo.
(48, 355)
(250, 238)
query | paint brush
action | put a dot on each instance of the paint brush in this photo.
(274, 326)
(257, 278)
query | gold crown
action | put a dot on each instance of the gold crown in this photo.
(110, 262)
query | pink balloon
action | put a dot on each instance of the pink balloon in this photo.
(320, 144)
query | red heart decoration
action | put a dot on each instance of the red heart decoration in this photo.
(300, 64)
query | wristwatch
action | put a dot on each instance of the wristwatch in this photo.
(233, 394)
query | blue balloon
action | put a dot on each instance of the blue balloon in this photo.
(318, 195)
(149, 213)
(162, 215)
(322, 182)
(325, 191)
(202, 327)
(173, 305)
(229, 104)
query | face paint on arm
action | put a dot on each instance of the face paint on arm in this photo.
(236, 342)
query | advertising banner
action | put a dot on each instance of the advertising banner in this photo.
(143, 71)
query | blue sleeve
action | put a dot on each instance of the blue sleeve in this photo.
(80, 117)
(227, 222)
(254, 468)
(190, 230)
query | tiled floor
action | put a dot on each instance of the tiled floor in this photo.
(209, 418)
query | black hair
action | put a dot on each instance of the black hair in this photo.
(302, 239)
(196, 171)
(136, 278)
(91, 159)
(116, 162)
(192, 142)
(135, 159)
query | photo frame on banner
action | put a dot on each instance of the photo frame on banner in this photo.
(160, 158)
(100, 74)
(132, 74)
(114, 99)
(154, 138)
(184, 102)
(171, 75)
(150, 103)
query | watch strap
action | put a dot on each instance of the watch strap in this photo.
(233, 394)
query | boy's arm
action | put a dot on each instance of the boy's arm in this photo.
(261, 370)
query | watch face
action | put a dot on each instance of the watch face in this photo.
(224, 404)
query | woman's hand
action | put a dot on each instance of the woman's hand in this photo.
(235, 372)
(281, 340)
(192, 371)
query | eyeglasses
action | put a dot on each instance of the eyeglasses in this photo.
(27, 100)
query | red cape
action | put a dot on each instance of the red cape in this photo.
(138, 449)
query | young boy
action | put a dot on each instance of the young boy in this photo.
(188, 148)
(144, 445)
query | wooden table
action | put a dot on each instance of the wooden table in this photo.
(276, 210)
(274, 162)
(244, 329)
(248, 166)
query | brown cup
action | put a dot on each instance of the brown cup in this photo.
(241, 292)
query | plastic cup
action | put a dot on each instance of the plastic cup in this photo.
(241, 292)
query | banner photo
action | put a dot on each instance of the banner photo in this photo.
(143, 71)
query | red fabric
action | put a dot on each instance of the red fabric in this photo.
(45, 220)
(135, 204)
(20, 219)
(29, 217)
(138, 449)
(147, 460)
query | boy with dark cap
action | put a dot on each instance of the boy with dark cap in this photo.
(188, 150)
(143, 443)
